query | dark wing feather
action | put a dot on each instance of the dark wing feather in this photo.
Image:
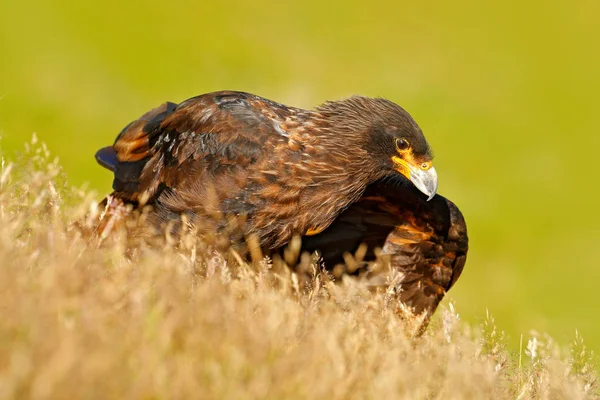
(176, 146)
(426, 242)
(131, 151)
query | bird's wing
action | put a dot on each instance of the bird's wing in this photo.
(426, 242)
(428, 251)
(205, 136)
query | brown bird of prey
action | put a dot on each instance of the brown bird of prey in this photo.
(290, 171)
(348, 172)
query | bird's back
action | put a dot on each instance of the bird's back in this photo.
(229, 153)
(171, 145)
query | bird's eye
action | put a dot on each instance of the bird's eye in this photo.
(402, 144)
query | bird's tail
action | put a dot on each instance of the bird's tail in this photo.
(132, 149)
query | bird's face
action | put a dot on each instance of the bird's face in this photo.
(417, 167)
(398, 146)
(393, 141)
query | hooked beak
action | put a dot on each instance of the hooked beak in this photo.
(424, 178)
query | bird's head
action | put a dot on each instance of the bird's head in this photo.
(393, 141)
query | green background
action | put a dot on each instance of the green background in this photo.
(506, 92)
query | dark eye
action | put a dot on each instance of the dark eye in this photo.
(402, 144)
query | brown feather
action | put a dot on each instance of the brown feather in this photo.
(426, 242)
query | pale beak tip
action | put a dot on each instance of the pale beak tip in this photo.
(425, 180)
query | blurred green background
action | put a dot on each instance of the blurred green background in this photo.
(506, 92)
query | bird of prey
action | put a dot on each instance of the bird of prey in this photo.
(290, 171)
(348, 172)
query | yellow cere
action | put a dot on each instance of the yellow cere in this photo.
(401, 166)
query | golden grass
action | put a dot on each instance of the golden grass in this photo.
(82, 320)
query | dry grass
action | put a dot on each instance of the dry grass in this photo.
(86, 321)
